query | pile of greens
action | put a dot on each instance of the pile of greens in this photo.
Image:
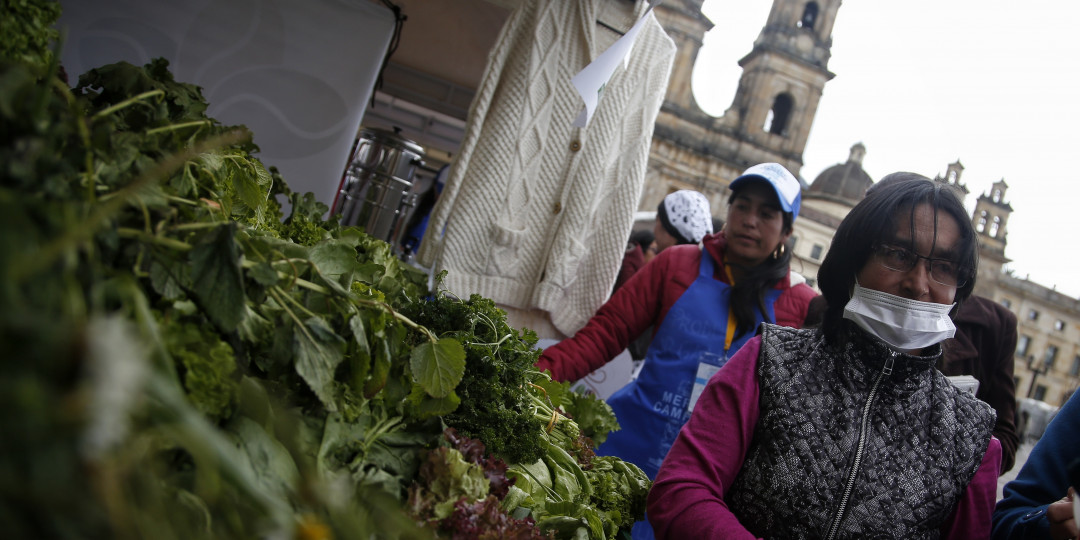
(185, 361)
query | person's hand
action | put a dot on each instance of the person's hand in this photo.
(1062, 521)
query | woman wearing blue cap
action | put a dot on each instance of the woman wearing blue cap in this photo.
(705, 300)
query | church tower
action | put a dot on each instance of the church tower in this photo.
(990, 218)
(952, 178)
(783, 78)
(784, 75)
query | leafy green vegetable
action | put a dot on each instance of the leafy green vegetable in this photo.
(620, 490)
(209, 368)
(446, 477)
(498, 363)
(570, 491)
(272, 375)
(216, 278)
(26, 32)
(439, 366)
(592, 416)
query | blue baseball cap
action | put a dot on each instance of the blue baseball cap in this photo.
(788, 189)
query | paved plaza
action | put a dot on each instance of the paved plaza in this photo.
(1021, 456)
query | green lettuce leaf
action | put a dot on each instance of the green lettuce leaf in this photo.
(439, 366)
(318, 351)
(216, 277)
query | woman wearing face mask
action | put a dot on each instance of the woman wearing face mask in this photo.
(848, 431)
(705, 300)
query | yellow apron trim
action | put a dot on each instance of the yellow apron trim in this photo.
(730, 335)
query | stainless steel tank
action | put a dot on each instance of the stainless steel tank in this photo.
(374, 192)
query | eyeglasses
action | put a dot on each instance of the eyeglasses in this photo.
(943, 271)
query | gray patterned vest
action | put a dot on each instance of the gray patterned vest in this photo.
(855, 441)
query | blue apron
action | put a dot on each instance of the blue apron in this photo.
(686, 350)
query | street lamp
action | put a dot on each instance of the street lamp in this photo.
(1036, 371)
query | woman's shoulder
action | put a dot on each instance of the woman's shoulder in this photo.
(681, 252)
(976, 414)
(793, 304)
(800, 291)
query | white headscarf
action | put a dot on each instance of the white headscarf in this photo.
(688, 213)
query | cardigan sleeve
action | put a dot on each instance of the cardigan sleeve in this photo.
(687, 498)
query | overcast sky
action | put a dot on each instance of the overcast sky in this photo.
(923, 83)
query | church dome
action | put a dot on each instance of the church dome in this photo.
(845, 182)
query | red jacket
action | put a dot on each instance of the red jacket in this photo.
(645, 300)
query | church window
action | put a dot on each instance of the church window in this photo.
(980, 225)
(1033, 315)
(776, 121)
(995, 226)
(1059, 325)
(997, 195)
(809, 16)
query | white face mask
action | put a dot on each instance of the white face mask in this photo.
(906, 325)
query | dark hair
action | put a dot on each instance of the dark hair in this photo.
(874, 220)
(749, 291)
(665, 221)
(642, 238)
(717, 224)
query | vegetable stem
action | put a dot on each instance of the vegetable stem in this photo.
(127, 232)
(126, 103)
(103, 211)
(404, 320)
(175, 127)
(84, 134)
(294, 302)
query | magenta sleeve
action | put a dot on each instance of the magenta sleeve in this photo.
(687, 498)
(972, 518)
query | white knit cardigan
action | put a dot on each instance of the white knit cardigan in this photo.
(535, 213)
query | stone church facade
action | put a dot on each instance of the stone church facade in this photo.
(772, 112)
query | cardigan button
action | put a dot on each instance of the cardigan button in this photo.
(575, 146)
(558, 207)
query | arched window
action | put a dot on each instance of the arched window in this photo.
(776, 121)
(809, 16)
(997, 195)
(995, 226)
(980, 225)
